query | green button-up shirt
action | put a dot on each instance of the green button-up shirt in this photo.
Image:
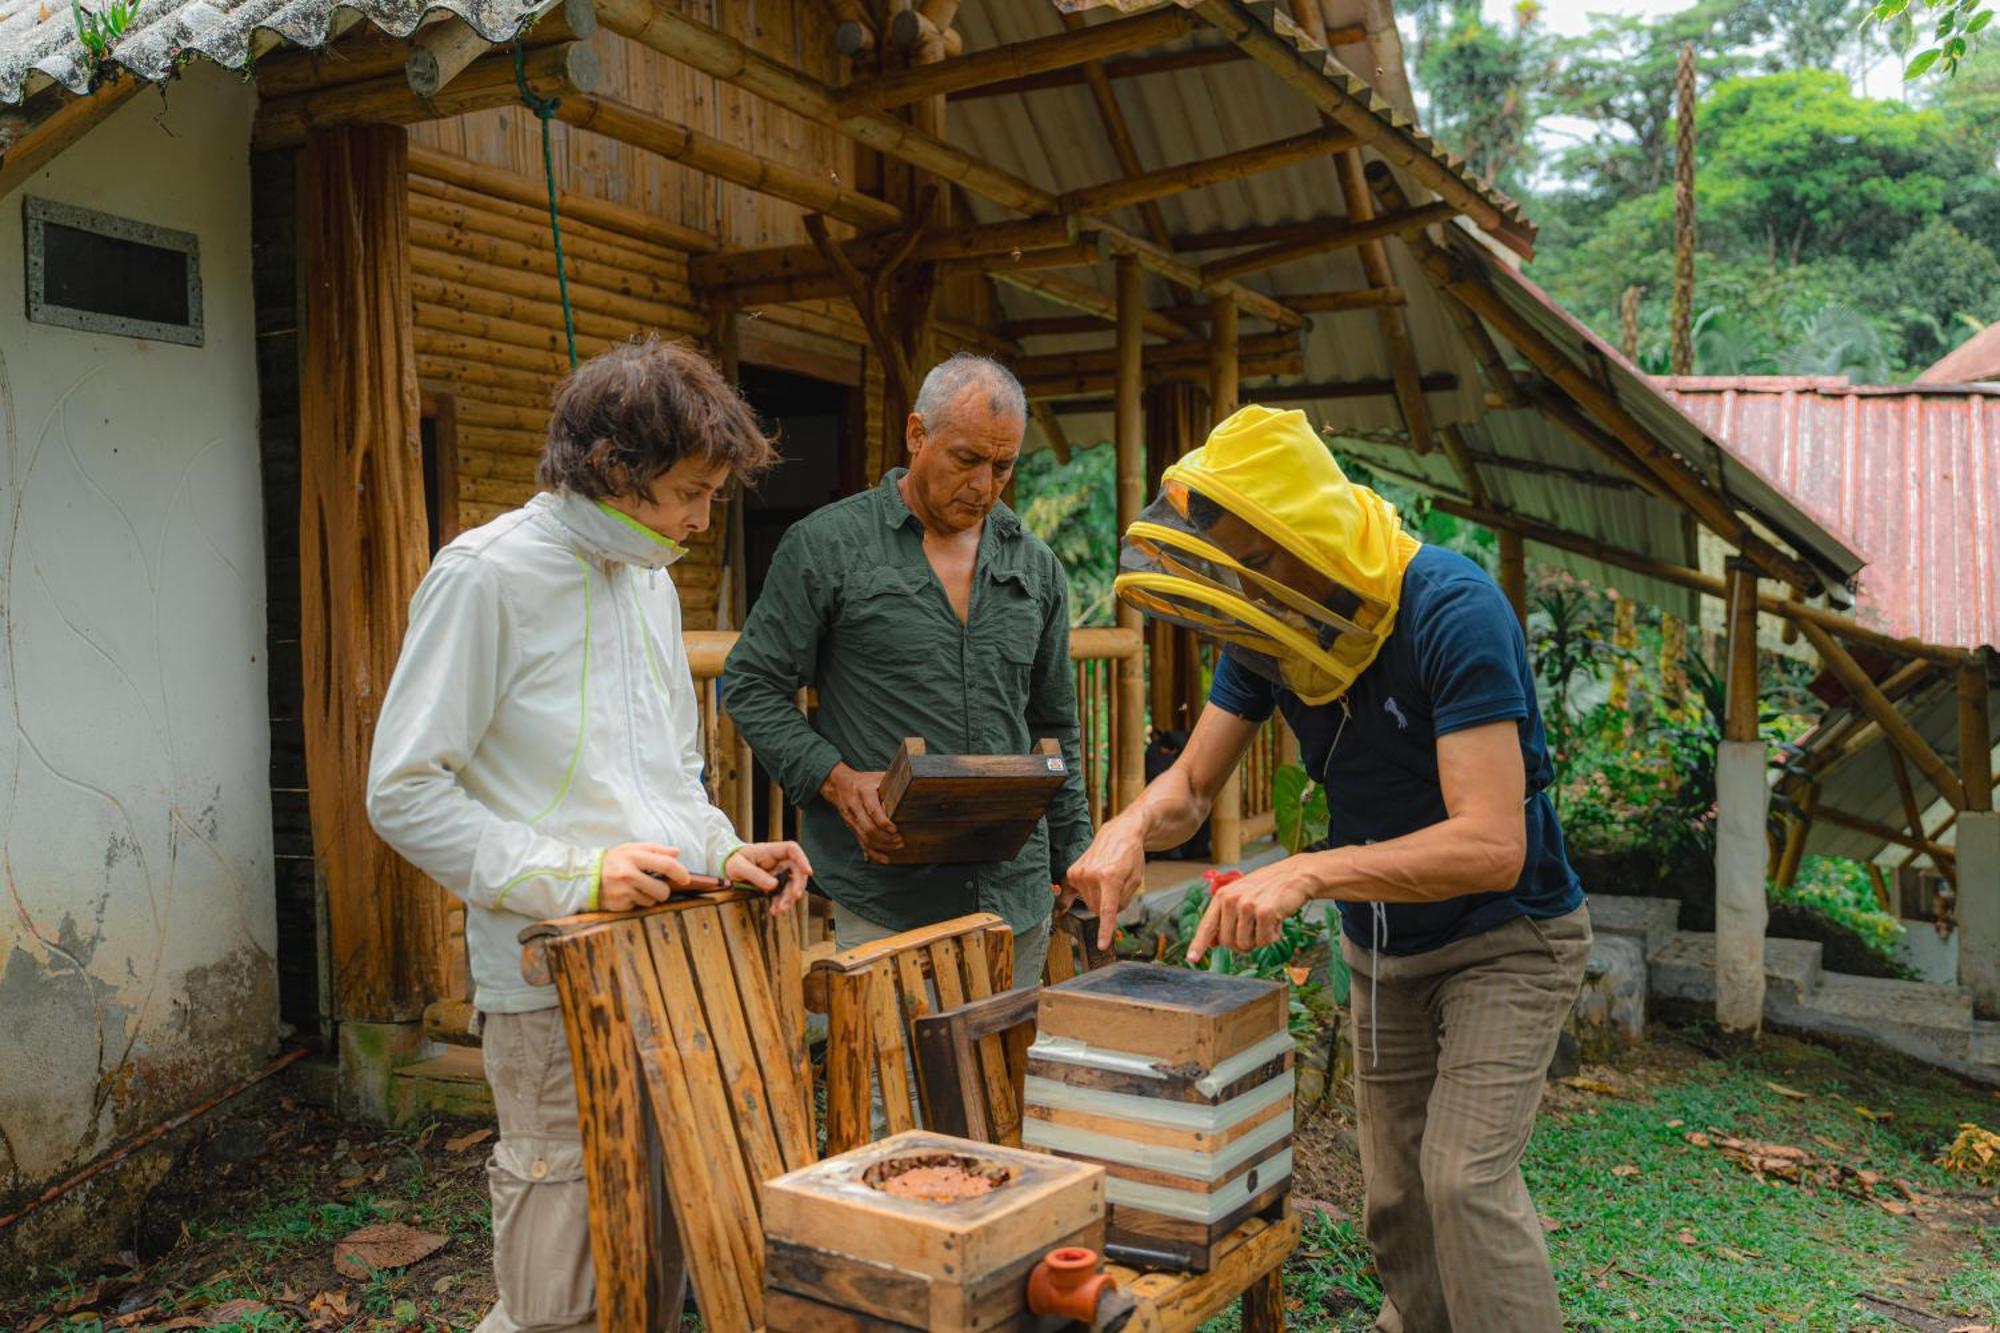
(852, 607)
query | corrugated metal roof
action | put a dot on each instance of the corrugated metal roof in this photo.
(1974, 360)
(39, 41)
(1909, 473)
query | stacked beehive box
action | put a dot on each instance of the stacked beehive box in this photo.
(1177, 1083)
(920, 1231)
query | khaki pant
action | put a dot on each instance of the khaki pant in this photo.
(1031, 947)
(541, 1207)
(1450, 1051)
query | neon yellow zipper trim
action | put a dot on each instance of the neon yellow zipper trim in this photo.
(646, 637)
(659, 537)
(553, 872)
(582, 702)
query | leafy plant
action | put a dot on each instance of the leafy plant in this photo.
(1299, 806)
(97, 31)
(1957, 22)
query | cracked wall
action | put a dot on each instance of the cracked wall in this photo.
(137, 926)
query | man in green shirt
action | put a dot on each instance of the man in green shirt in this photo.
(921, 607)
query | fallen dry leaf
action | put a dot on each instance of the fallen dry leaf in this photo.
(363, 1253)
(1867, 1114)
(1675, 1123)
(1550, 1224)
(183, 1321)
(466, 1140)
(234, 1312)
(1686, 1238)
(1784, 1091)
(1625, 1169)
(1596, 1085)
(1697, 1138)
(1894, 1207)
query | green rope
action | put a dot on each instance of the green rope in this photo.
(545, 110)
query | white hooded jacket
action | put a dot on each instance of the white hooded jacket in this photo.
(541, 713)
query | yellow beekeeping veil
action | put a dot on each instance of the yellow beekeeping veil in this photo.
(1270, 470)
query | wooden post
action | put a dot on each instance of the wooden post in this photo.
(1514, 574)
(1742, 799)
(1795, 838)
(1130, 429)
(362, 551)
(1975, 735)
(1895, 726)
(1226, 820)
(1681, 318)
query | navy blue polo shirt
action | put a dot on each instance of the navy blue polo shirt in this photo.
(1455, 659)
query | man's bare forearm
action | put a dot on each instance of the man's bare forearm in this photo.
(1460, 855)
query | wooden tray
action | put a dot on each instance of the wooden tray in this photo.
(964, 808)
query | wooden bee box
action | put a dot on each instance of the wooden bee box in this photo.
(968, 807)
(843, 1249)
(1179, 1084)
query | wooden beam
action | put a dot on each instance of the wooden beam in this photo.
(454, 170)
(1130, 432)
(1460, 457)
(1360, 298)
(817, 191)
(1144, 187)
(1197, 351)
(1128, 67)
(731, 268)
(1796, 830)
(441, 52)
(1438, 381)
(867, 307)
(1895, 727)
(1045, 416)
(1941, 855)
(1389, 321)
(1913, 815)
(363, 549)
(1157, 259)
(1975, 733)
(1089, 382)
(1323, 238)
(1224, 348)
(1325, 84)
(1739, 721)
(69, 120)
(1018, 60)
(1080, 296)
(1080, 253)
(566, 70)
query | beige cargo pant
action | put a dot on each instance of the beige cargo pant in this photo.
(1450, 1051)
(541, 1206)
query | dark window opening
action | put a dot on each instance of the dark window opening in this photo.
(439, 439)
(103, 274)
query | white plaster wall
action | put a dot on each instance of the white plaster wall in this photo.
(137, 933)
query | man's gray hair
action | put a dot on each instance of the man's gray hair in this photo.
(951, 377)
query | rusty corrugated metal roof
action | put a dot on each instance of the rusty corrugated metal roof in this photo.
(39, 42)
(1975, 359)
(1908, 474)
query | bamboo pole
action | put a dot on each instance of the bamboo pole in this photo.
(1438, 381)
(1514, 573)
(440, 53)
(1016, 60)
(368, 54)
(533, 194)
(608, 274)
(868, 309)
(1796, 832)
(677, 143)
(492, 281)
(1100, 381)
(1913, 815)
(1324, 238)
(1460, 457)
(1131, 462)
(1158, 259)
(1895, 727)
(565, 70)
(1226, 818)
(435, 201)
(1080, 296)
(1360, 298)
(1147, 186)
(1975, 734)
(71, 119)
(1129, 67)
(1192, 352)
(1942, 856)
(1389, 321)
(734, 268)
(1740, 679)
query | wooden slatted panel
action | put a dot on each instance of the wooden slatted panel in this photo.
(788, 968)
(591, 970)
(755, 966)
(947, 970)
(735, 1047)
(680, 1055)
(848, 1050)
(890, 1030)
(916, 998)
(1005, 1115)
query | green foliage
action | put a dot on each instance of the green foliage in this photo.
(98, 29)
(1073, 507)
(1299, 806)
(1839, 889)
(1480, 78)
(1952, 26)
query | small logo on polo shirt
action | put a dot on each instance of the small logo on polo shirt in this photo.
(1390, 707)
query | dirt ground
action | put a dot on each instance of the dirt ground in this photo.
(1647, 1228)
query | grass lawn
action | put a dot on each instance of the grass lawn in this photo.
(242, 1238)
